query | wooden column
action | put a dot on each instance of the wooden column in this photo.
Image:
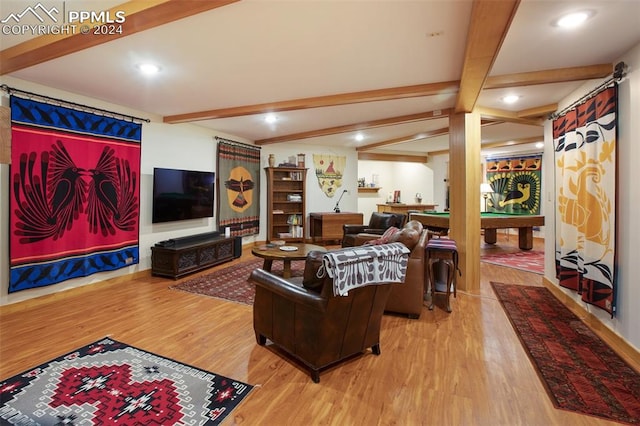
(5, 135)
(464, 198)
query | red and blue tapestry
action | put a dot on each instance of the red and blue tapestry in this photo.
(239, 201)
(516, 184)
(585, 142)
(75, 194)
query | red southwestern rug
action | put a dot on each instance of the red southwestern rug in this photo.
(529, 260)
(232, 283)
(108, 382)
(580, 372)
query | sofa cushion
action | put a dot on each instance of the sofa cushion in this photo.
(381, 220)
(384, 238)
(407, 236)
(310, 278)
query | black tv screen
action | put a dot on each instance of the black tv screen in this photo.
(182, 194)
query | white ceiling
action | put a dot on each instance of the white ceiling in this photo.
(267, 51)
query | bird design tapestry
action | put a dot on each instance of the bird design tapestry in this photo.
(74, 194)
(516, 184)
(239, 187)
(585, 166)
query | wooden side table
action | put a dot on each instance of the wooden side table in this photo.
(441, 252)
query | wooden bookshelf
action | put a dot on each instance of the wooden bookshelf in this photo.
(286, 215)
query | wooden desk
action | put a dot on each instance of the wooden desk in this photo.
(327, 226)
(490, 222)
(404, 208)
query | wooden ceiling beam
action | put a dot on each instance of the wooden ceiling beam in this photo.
(497, 144)
(540, 111)
(392, 157)
(403, 139)
(140, 15)
(508, 116)
(357, 126)
(559, 75)
(422, 135)
(414, 91)
(488, 26)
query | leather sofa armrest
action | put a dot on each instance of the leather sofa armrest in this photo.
(353, 229)
(362, 238)
(374, 231)
(288, 290)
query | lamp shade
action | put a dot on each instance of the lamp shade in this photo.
(485, 188)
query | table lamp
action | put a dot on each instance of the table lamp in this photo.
(485, 189)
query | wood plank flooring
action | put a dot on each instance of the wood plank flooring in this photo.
(463, 368)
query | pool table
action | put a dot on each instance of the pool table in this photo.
(490, 222)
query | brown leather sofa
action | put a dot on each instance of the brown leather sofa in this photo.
(407, 298)
(378, 223)
(308, 322)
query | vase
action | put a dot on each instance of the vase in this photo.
(272, 160)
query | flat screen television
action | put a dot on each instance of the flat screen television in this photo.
(182, 194)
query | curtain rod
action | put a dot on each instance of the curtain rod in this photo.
(229, 141)
(62, 102)
(619, 72)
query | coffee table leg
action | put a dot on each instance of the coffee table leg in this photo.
(286, 273)
(267, 265)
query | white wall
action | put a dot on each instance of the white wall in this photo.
(627, 316)
(407, 177)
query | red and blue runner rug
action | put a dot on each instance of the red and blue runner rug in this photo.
(580, 372)
(529, 261)
(108, 382)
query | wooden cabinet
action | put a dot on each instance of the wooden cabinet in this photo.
(182, 256)
(328, 226)
(286, 216)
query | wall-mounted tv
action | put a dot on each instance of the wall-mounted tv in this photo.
(182, 194)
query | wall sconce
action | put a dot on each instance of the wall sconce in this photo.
(485, 189)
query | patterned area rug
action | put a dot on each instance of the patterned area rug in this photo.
(108, 382)
(530, 260)
(232, 283)
(580, 372)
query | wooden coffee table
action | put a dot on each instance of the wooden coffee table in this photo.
(269, 254)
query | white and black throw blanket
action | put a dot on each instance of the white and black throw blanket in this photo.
(355, 267)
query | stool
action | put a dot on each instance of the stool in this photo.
(441, 251)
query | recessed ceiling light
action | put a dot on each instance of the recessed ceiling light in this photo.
(510, 99)
(359, 137)
(270, 118)
(148, 68)
(573, 20)
(540, 145)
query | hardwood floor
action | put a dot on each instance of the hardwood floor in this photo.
(463, 368)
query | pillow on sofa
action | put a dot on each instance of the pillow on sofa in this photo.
(385, 238)
(310, 278)
(408, 236)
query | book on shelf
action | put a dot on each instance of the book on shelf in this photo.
(296, 231)
(278, 211)
(294, 219)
